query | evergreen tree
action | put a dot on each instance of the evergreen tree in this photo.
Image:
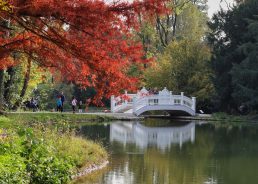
(245, 74)
(233, 40)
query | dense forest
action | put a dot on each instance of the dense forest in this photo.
(170, 43)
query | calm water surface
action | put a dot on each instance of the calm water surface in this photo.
(165, 152)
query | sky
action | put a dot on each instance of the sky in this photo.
(214, 5)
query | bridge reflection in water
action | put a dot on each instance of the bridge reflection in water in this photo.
(143, 136)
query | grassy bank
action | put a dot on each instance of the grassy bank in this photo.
(43, 148)
(56, 117)
(226, 118)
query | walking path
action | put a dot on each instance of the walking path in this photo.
(124, 116)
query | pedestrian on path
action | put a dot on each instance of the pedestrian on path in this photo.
(62, 100)
(80, 106)
(74, 103)
(87, 104)
(59, 104)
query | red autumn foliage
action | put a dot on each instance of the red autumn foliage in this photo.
(88, 41)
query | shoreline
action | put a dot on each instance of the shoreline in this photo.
(89, 169)
(105, 117)
(101, 117)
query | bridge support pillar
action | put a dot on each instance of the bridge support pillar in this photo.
(194, 104)
(180, 140)
(192, 134)
(182, 98)
(134, 104)
(171, 100)
(126, 95)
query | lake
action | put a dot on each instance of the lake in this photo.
(173, 152)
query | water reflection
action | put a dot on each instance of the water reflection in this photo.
(120, 176)
(143, 136)
(160, 152)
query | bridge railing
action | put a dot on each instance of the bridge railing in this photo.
(121, 102)
(144, 98)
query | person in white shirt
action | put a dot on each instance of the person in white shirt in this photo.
(74, 103)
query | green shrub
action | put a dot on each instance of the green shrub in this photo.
(40, 154)
(26, 157)
(45, 166)
(42, 160)
(4, 122)
(13, 169)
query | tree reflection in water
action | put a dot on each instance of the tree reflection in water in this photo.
(161, 152)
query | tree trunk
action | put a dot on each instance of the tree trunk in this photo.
(25, 85)
(174, 26)
(160, 29)
(8, 85)
(1, 90)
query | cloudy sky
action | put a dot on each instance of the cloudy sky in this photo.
(214, 5)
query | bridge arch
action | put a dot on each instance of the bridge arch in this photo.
(145, 101)
(171, 109)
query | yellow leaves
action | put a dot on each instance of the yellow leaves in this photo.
(37, 74)
(5, 6)
(182, 67)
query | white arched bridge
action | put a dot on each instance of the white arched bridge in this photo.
(145, 101)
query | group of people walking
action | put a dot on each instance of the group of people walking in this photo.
(31, 104)
(74, 103)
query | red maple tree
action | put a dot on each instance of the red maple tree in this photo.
(89, 41)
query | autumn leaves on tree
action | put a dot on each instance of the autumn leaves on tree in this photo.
(88, 42)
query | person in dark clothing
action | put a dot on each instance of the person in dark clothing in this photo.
(243, 109)
(80, 107)
(33, 104)
(155, 91)
(62, 100)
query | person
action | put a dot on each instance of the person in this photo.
(80, 106)
(33, 104)
(88, 101)
(243, 109)
(151, 91)
(74, 103)
(62, 100)
(59, 104)
(37, 102)
(155, 91)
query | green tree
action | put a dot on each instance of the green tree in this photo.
(20, 81)
(234, 39)
(183, 67)
(192, 23)
(245, 74)
(186, 20)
